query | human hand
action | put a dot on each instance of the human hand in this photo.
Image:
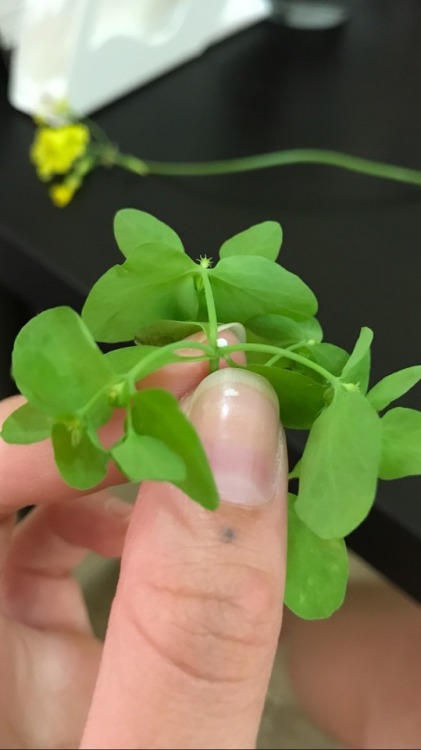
(196, 618)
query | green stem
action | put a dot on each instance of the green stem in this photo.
(274, 159)
(129, 162)
(99, 133)
(136, 372)
(210, 304)
(212, 317)
(273, 360)
(291, 348)
(276, 350)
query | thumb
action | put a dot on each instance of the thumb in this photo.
(196, 619)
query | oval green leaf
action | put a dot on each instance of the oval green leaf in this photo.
(393, 386)
(142, 457)
(164, 332)
(134, 228)
(57, 364)
(157, 413)
(244, 287)
(263, 239)
(284, 331)
(26, 425)
(317, 570)
(339, 466)
(333, 358)
(80, 459)
(301, 399)
(357, 368)
(401, 444)
(157, 284)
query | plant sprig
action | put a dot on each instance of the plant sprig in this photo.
(152, 302)
(69, 150)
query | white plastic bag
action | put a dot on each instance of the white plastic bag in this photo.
(90, 52)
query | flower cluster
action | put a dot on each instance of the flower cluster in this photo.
(62, 150)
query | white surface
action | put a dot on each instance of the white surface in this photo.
(90, 52)
(10, 21)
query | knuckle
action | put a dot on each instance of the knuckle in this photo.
(207, 621)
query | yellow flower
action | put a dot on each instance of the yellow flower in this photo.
(62, 193)
(55, 150)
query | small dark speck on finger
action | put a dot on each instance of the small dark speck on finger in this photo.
(228, 534)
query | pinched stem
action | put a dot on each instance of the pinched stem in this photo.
(212, 353)
(136, 372)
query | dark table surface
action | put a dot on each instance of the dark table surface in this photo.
(354, 239)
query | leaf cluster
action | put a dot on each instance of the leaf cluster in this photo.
(153, 300)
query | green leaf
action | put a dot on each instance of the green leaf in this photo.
(153, 284)
(81, 461)
(317, 570)
(26, 425)
(56, 363)
(263, 239)
(300, 398)
(357, 368)
(339, 466)
(157, 413)
(134, 228)
(284, 331)
(401, 444)
(164, 332)
(393, 387)
(329, 356)
(244, 287)
(142, 457)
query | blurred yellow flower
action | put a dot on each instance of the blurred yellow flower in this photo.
(55, 150)
(62, 193)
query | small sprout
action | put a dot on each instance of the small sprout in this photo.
(74, 426)
(351, 387)
(205, 262)
(119, 394)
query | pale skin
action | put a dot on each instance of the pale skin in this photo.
(196, 620)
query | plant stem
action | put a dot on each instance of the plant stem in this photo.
(129, 162)
(291, 348)
(274, 159)
(136, 372)
(212, 317)
(268, 349)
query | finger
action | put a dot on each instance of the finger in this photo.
(46, 547)
(40, 481)
(358, 674)
(196, 619)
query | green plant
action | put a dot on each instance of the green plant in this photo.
(158, 297)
